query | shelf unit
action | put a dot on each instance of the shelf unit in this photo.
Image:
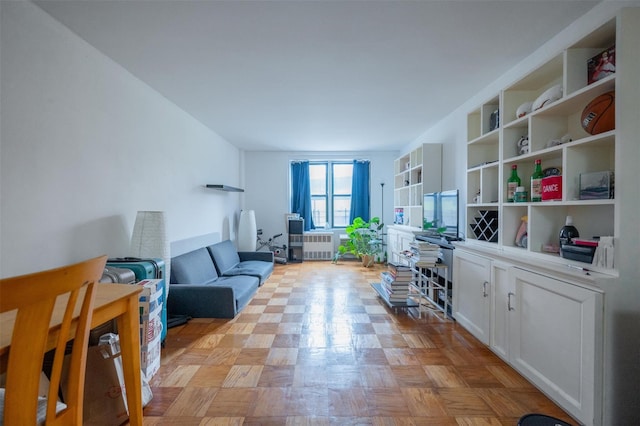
(405, 305)
(428, 289)
(225, 188)
(490, 219)
(415, 174)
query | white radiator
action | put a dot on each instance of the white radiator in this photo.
(318, 246)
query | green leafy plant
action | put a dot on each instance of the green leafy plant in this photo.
(365, 239)
(433, 226)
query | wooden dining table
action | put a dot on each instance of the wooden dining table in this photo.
(119, 301)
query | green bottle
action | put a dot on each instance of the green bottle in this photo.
(512, 183)
(536, 182)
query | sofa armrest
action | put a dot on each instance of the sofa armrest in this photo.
(201, 301)
(265, 256)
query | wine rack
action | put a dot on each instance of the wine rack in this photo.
(485, 227)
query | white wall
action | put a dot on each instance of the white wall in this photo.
(85, 145)
(267, 184)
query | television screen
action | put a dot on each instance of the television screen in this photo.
(440, 213)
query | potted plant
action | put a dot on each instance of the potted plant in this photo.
(365, 240)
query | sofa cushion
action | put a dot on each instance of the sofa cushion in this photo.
(244, 287)
(194, 267)
(225, 256)
(255, 268)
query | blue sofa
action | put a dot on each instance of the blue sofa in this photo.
(230, 263)
(198, 290)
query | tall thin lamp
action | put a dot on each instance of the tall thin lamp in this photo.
(247, 232)
(149, 239)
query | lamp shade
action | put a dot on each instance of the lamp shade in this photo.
(247, 232)
(149, 239)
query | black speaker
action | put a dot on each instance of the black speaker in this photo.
(296, 226)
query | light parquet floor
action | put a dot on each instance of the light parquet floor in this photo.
(316, 346)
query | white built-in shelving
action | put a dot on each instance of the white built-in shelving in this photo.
(492, 152)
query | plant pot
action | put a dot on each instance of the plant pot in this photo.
(368, 260)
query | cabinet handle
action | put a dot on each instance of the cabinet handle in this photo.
(509, 307)
(484, 289)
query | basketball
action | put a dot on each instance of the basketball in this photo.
(600, 114)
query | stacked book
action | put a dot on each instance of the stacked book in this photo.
(425, 254)
(395, 280)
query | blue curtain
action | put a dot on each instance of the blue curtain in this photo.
(301, 193)
(360, 194)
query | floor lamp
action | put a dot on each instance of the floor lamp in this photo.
(382, 202)
(247, 231)
(382, 219)
(149, 240)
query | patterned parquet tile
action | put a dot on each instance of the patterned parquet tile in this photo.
(316, 346)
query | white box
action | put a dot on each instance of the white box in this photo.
(151, 325)
(151, 295)
(150, 357)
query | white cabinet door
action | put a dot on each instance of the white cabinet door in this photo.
(554, 340)
(502, 295)
(471, 302)
(392, 244)
(398, 240)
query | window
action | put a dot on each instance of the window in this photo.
(330, 183)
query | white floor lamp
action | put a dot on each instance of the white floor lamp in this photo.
(247, 232)
(149, 239)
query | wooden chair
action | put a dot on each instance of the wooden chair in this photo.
(34, 296)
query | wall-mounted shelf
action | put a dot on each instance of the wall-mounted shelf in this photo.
(226, 188)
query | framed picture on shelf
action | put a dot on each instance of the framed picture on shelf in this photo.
(601, 65)
(398, 217)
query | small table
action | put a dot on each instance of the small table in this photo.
(118, 301)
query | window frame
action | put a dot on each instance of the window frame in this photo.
(330, 196)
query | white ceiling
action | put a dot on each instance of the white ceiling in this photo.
(317, 75)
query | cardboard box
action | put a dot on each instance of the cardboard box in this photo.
(151, 295)
(596, 185)
(150, 357)
(150, 326)
(601, 65)
(552, 188)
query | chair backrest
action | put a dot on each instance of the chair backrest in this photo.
(34, 296)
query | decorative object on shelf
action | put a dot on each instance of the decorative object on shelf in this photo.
(547, 97)
(399, 216)
(602, 65)
(521, 195)
(603, 255)
(552, 188)
(477, 198)
(521, 235)
(552, 171)
(225, 188)
(597, 185)
(568, 232)
(513, 183)
(364, 240)
(247, 231)
(522, 146)
(494, 120)
(536, 182)
(555, 142)
(524, 109)
(149, 239)
(599, 115)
